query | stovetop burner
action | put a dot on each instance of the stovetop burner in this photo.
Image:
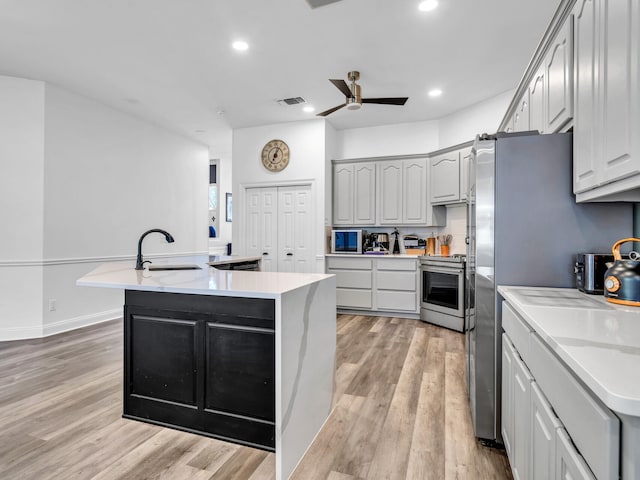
(455, 258)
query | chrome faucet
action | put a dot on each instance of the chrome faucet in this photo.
(139, 262)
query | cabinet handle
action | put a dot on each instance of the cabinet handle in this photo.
(289, 254)
(265, 253)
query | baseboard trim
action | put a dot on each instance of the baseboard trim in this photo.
(9, 334)
(81, 321)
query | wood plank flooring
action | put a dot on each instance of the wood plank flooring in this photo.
(400, 412)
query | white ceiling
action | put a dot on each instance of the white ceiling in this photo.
(170, 61)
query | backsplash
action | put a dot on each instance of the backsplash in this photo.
(456, 226)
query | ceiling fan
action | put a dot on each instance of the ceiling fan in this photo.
(353, 97)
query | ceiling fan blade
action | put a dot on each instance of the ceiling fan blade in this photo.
(331, 110)
(387, 101)
(343, 87)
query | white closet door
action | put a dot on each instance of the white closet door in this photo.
(269, 228)
(253, 216)
(294, 228)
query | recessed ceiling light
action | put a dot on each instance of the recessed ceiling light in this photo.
(427, 5)
(309, 109)
(436, 92)
(240, 45)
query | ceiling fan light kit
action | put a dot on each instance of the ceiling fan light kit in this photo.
(353, 95)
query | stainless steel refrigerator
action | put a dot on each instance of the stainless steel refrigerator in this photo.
(523, 228)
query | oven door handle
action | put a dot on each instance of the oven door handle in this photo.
(442, 270)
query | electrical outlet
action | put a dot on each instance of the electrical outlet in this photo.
(52, 304)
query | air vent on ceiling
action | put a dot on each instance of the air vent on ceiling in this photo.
(320, 3)
(291, 101)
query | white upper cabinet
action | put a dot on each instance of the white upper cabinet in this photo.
(465, 159)
(390, 193)
(607, 116)
(384, 192)
(586, 98)
(558, 67)
(364, 191)
(537, 118)
(343, 194)
(521, 117)
(354, 193)
(444, 175)
(414, 186)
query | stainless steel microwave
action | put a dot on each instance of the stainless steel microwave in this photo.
(346, 241)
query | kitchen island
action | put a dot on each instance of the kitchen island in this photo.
(570, 363)
(238, 355)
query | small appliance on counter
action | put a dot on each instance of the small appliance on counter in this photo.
(622, 278)
(414, 245)
(590, 269)
(346, 241)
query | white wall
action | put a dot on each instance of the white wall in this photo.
(398, 139)
(483, 117)
(21, 206)
(79, 183)
(306, 141)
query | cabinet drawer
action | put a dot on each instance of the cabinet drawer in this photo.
(357, 263)
(594, 429)
(519, 332)
(396, 281)
(353, 279)
(397, 264)
(349, 298)
(405, 301)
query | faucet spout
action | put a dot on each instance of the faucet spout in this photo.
(139, 262)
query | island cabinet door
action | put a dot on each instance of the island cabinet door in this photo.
(240, 368)
(200, 363)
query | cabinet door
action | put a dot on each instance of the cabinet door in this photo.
(536, 102)
(585, 174)
(262, 230)
(294, 226)
(619, 88)
(390, 188)
(521, 119)
(543, 436)
(508, 354)
(240, 371)
(343, 195)
(465, 158)
(364, 194)
(559, 72)
(414, 191)
(569, 464)
(521, 419)
(444, 185)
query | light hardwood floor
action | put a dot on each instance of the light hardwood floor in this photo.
(400, 413)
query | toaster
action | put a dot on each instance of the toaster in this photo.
(590, 269)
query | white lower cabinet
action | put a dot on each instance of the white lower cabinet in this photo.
(516, 410)
(569, 464)
(552, 428)
(378, 284)
(543, 436)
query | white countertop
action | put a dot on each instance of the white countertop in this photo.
(226, 259)
(207, 281)
(599, 341)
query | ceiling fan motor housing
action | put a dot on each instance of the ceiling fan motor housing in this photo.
(355, 101)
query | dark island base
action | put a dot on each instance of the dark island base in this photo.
(202, 364)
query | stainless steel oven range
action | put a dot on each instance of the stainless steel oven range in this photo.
(442, 291)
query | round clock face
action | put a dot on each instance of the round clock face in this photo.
(275, 155)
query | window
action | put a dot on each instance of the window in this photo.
(213, 199)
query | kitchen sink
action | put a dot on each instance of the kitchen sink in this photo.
(157, 268)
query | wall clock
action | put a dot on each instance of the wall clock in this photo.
(275, 155)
